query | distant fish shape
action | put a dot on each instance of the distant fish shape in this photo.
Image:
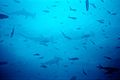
(109, 58)
(65, 36)
(73, 18)
(73, 78)
(24, 13)
(55, 60)
(85, 73)
(3, 16)
(101, 21)
(72, 9)
(12, 32)
(16, 1)
(74, 58)
(93, 5)
(87, 5)
(111, 13)
(102, 1)
(3, 62)
(108, 70)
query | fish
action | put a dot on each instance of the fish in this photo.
(3, 16)
(85, 36)
(84, 72)
(72, 9)
(55, 60)
(73, 78)
(46, 11)
(101, 21)
(12, 32)
(87, 5)
(92, 42)
(24, 13)
(74, 58)
(44, 66)
(1, 41)
(109, 58)
(73, 18)
(16, 1)
(108, 70)
(93, 5)
(65, 36)
(41, 40)
(111, 13)
(36, 54)
(117, 47)
(3, 63)
(102, 1)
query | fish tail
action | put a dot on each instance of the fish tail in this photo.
(100, 66)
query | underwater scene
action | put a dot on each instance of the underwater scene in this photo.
(59, 39)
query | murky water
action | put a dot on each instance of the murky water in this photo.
(59, 39)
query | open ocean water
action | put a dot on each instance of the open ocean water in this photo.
(59, 39)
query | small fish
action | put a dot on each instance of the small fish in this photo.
(117, 47)
(16, 1)
(93, 42)
(78, 28)
(46, 11)
(73, 78)
(3, 62)
(73, 18)
(93, 5)
(111, 13)
(85, 36)
(44, 66)
(65, 36)
(102, 1)
(1, 41)
(3, 16)
(12, 32)
(72, 9)
(55, 60)
(84, 72)
(24, 13)
(36, 54)
(87, 4)
(74, 58)
(108, 70)
(109, 58)
(101, 21)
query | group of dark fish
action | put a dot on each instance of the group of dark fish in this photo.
(3, 16)
(108, 70)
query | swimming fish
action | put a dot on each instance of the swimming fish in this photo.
(72, 9)
(74, 58)
(109, 58)
(24, 13)
(111, 13)
(102, 1)
(12, 32)
(108, 70)
(3, 16)
(65, 36)
(84, 72)
(16, 1)
(93, 5)
(3, 62)
(36, 54)
(55, 60)
(73, 78)
(101, 21)
(87, 4)
(73, 18)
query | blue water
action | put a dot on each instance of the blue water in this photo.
(59, 39)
